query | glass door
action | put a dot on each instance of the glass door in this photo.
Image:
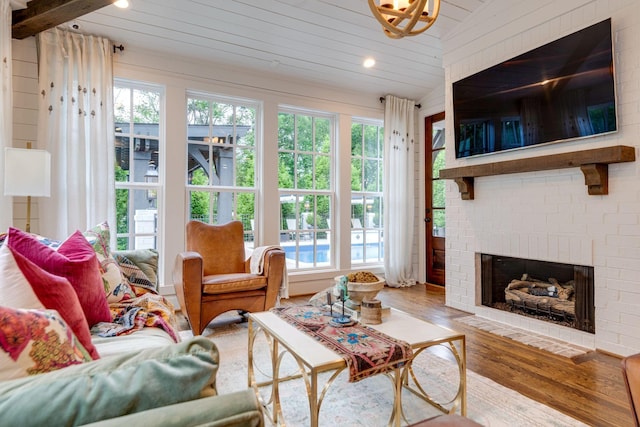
(434, 198)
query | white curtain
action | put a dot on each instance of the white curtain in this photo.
(75, 124)
(399, 194)
(6, 103)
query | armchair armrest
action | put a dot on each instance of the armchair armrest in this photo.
(188, 271)
(274, 270)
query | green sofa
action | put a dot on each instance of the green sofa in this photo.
(172, 385)
(142, 377)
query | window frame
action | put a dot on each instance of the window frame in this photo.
(250, 225)
(316, 232)
(364, 230)
(134, 186)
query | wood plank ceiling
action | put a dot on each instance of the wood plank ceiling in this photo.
(323, 42)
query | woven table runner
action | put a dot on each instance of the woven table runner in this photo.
(366, 351)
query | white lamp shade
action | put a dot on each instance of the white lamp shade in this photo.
(27, 172)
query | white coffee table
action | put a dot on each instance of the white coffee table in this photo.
(314, 358)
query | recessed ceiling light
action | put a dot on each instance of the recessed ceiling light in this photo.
(122, 4)
(369, 62)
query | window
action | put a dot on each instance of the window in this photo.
(512, 135)
(367, 150)
(137, 121)
(305, 185)
(602, 117)
(476, 137)
(221, 161)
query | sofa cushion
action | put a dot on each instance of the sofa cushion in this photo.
(138, 280)
(139, 340)
(75, 260)
(35, 342)
(237, 409)
(112, 386)
(145, 259)
(15, 290)
(25, 285)
(115, 284)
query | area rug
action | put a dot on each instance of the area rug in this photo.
(532, 339)
(369, 402)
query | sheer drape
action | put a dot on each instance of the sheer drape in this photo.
(530, 113)
(6, 102)
(75, 124)
(399, 197)
(574, 113)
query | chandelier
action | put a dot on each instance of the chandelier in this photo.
(399, 17)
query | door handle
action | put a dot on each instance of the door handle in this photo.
(427, 219)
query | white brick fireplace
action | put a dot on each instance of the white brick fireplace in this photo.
(548, 215)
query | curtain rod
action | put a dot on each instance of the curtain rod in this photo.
(417, 105)
(120, 48)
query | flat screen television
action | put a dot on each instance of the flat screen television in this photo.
(557, 92)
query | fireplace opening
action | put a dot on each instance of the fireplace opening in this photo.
(550, 291)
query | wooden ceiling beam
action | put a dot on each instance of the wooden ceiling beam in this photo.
(41, 15)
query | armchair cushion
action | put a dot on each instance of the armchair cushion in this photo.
(233, 282)
(113, 386)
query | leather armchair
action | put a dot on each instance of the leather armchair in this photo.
(631, 373)
(213, 276)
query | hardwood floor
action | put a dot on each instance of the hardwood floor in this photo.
(589, 388)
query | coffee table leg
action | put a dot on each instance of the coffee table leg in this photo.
(457, 347)
(274, 400)
(396, 414)
(313, 399)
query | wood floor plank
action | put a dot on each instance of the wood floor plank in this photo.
(589, 388)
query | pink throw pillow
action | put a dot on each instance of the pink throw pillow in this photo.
(75, 260)
(56, 293)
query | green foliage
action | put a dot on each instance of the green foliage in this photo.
(146, 109)
(122, 206)
(438, 192)
(199, 200)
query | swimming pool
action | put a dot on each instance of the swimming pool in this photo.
(375, 252)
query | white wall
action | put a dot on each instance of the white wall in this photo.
(177, 75)
(25, 117)
(549, 215)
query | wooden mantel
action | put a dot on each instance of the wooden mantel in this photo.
(593, 163)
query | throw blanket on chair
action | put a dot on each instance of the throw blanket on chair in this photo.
(146, 310)
(257, 264)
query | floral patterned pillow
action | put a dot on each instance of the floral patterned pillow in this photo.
(116, 285)
(36, 341)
